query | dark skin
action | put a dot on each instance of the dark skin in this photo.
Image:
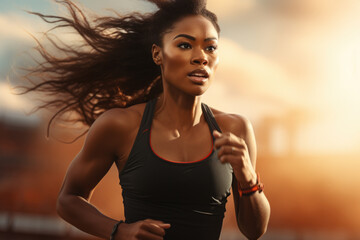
(179, 132)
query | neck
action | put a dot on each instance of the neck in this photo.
(178, 111)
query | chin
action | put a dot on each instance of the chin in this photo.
(197, 91)
(190, 89)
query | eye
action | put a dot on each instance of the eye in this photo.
(211, 48)
(184, 45)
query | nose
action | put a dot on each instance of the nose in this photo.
(199, 58)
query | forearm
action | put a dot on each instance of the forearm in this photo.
(253, 214)
(81, 214)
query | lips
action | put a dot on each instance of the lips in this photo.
(199, 73)
(198, 76)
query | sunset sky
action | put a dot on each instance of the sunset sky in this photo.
(291, 64)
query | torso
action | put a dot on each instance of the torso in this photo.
(189, 192)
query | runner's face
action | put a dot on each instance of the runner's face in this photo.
(189, 56)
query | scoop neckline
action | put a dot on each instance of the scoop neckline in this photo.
(182, 163)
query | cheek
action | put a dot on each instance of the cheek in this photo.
(174, 59)
(215, 62)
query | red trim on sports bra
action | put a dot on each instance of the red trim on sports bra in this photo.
(212, 149)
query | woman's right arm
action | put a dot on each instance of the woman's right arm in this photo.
(100, 149)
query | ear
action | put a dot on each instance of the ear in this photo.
(156, 54)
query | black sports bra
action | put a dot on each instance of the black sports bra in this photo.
(190, 196)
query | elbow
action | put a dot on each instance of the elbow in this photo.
(256, 233)
(60, 205)
(258, 227)
(64, 205)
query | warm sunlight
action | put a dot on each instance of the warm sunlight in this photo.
(10, 101)
(337, 99)
(291, 67)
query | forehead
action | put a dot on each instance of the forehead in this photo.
(197, 26)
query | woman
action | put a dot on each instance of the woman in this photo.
(177, 158)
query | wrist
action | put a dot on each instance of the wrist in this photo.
(247, 191)
(115, 228)
(245, 179)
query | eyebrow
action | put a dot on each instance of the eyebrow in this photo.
(193, 38)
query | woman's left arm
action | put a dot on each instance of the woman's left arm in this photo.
(237, 146)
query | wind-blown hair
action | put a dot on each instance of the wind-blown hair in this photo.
(114, 66)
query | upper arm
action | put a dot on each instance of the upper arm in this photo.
(97, 155)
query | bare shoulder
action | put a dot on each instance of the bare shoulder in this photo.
(122, 118)
(116, 122)
(235, 123)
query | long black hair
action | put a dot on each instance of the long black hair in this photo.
(114, 66)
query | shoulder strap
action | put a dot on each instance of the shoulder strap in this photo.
(147, 115)
(209, 117)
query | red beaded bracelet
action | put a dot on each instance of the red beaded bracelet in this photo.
(251, 190)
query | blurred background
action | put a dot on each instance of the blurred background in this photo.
(291, 66)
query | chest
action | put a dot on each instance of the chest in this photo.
(181, 146)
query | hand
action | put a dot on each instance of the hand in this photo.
(148, 229)
(233, 150)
